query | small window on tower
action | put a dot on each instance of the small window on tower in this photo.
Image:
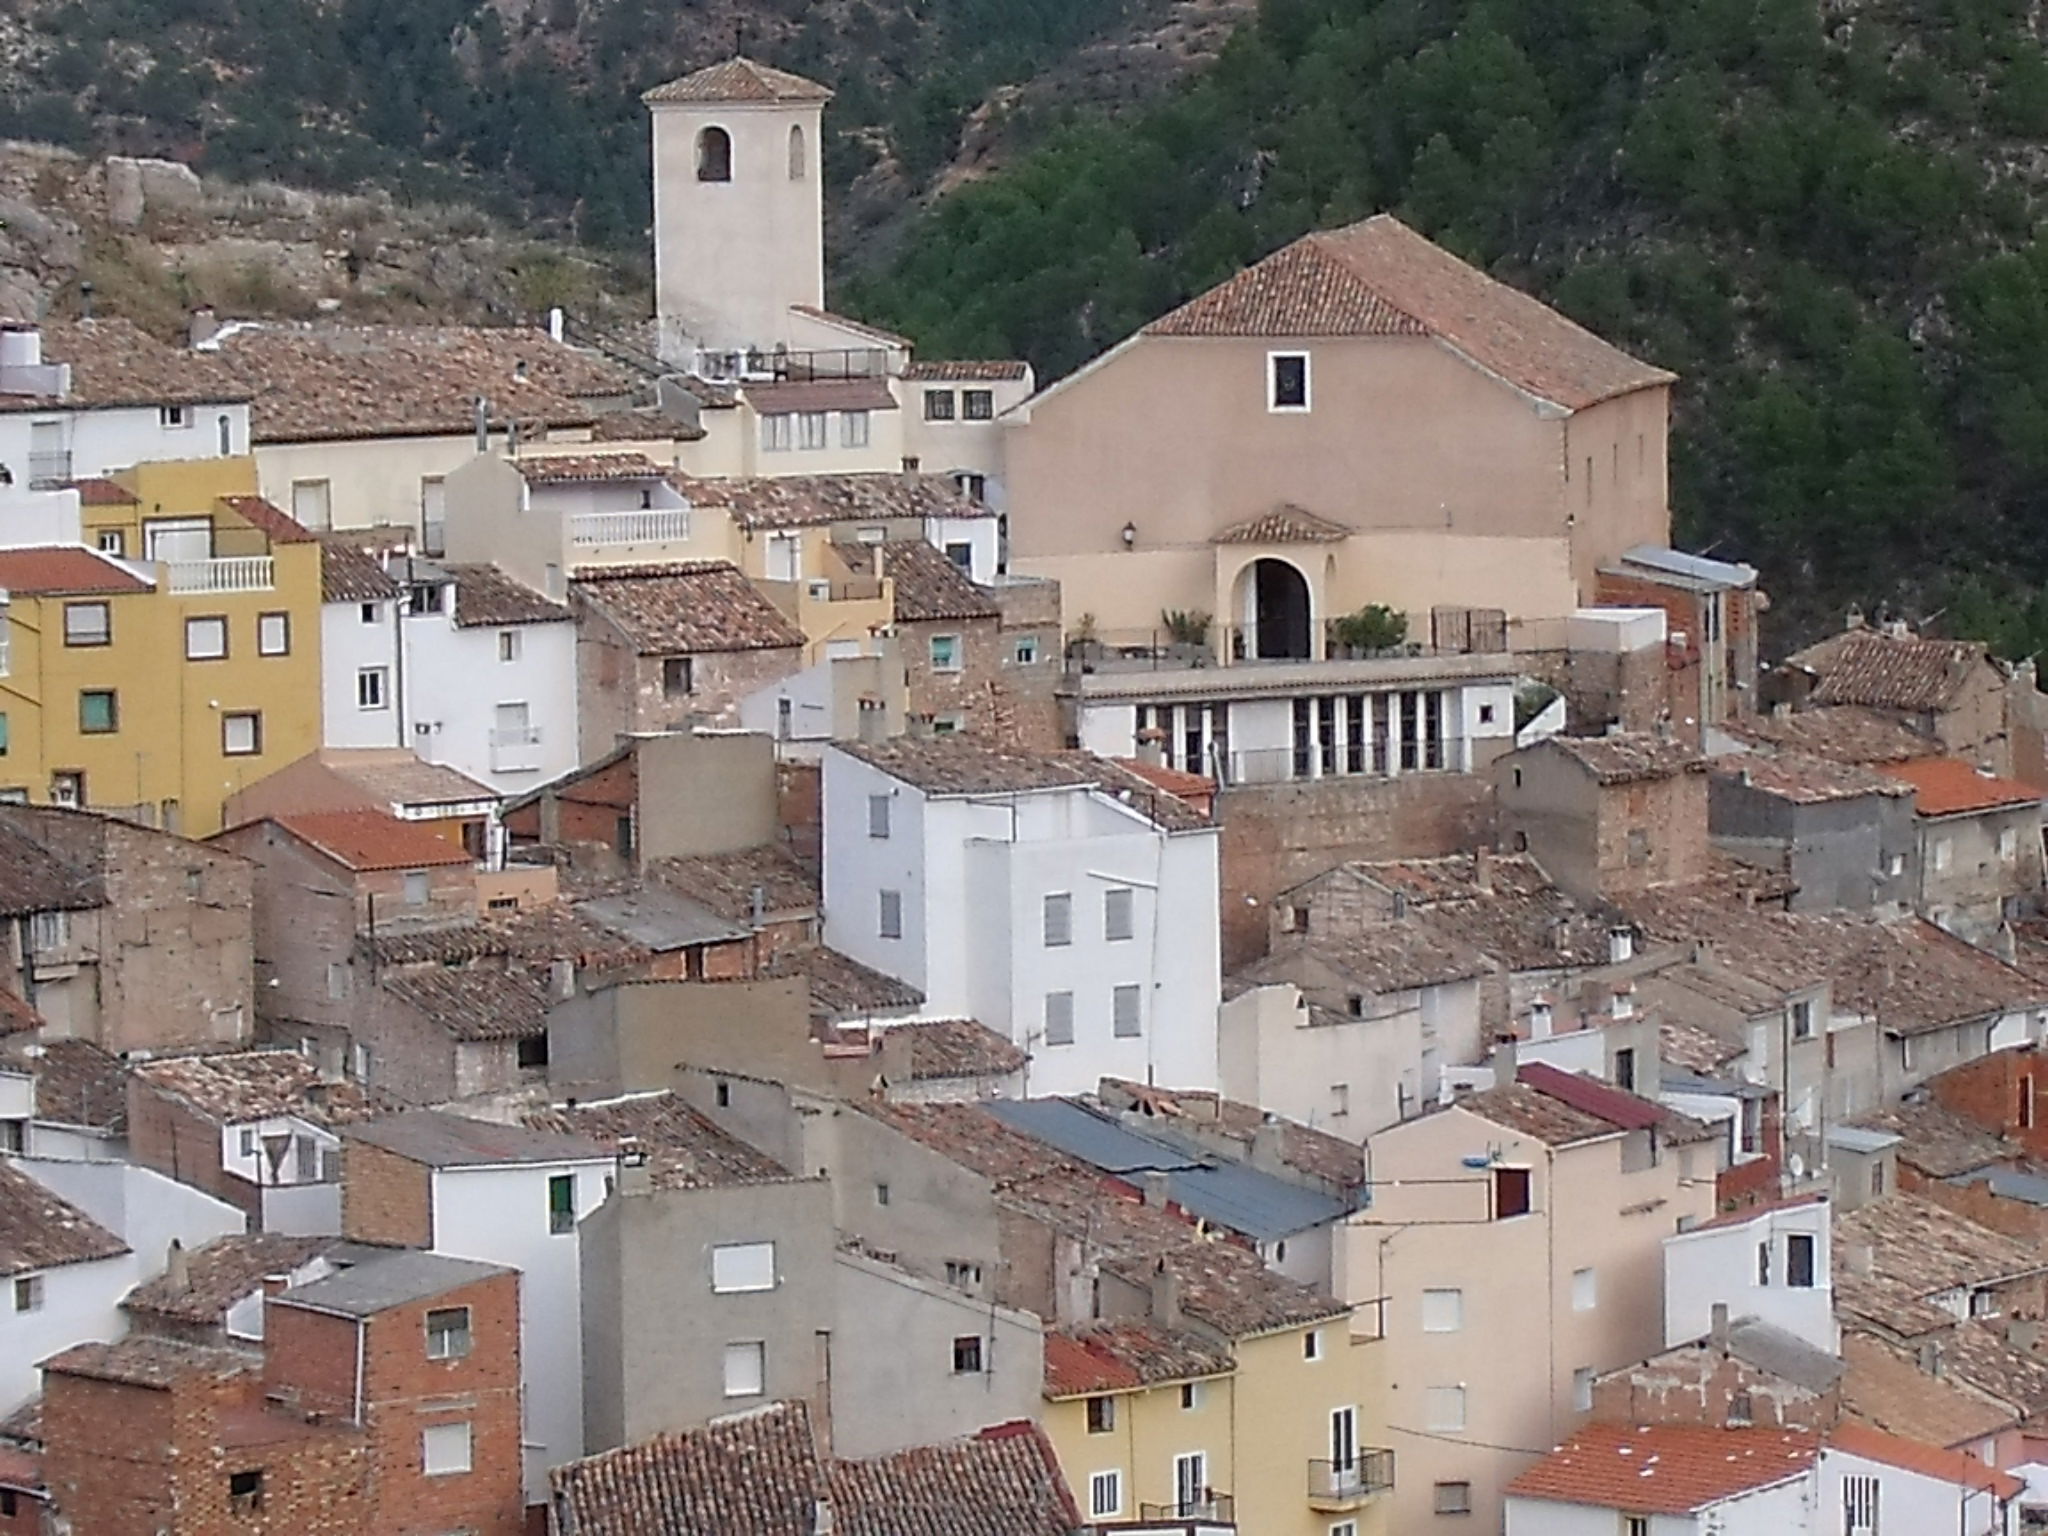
(714, 155)
(798, 168)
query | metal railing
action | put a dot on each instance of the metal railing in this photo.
(515, 750)
(1369, 1471)
(1338, 760)
(234, 573)
(795, 365)
(661, 525)
(1213, 1509)
(47, 471)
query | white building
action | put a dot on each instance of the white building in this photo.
(458, 662)
(1059, 900)
(508, 1195)
(74, 1239)
(1773, 1263)
(1689, 1480)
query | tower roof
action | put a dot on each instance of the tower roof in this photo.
(740, 80)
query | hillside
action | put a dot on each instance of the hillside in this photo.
(1824, 217)
(532, 106)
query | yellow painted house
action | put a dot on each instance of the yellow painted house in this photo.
(1174, 1429)
(169, 658)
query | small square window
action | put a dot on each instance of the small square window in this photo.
(978, 404)
(1287, 381)
(1452, 1499)
(1190, 1396)
(1443, 1311)
(206, 639)
(368, 613)
(746, 1368)
(1024, 650)
(1486, 714)
(99, 712)
(173, 416)
(508, 645)
(28, 1293)
(415, 887)
(273, 634)
(967, 1355)
(678, 677)
(1585, 1290)
(445, 1449)
(88, 624)
(853, 429)
(810, 430)
(112, 541)
(1101, 1415)
(447, 1333)
(938, 405)
(742, 1267)
(881, 1194)
(245, 1492)
(945, 651)
(246, 1140)
(1444, 1410)
(1582, 1389)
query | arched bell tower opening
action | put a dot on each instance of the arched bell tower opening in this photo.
(714, 155)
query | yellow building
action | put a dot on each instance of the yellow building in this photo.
(171, 657)
(1173, 1429)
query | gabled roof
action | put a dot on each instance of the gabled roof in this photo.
(34, 879)
(962, 765)
(684, 1149)
(477, 1001)
(231, 1087)
(810, 501)
(586, 468)
(365, 840)
(115, 363)
(1399, 955)
(727, 882)
(935, 1050)
(1665, 1469)
(1619, 1108)
(1285, 524)
(1803, 779)
(485, 597)
(692, 607)
(65, 570)
(1948, 786)
(276, 524)
(1380, 278)
(1843, 733)
(1928, 1460)
(1887, 1390)
(930, 588)
(1627, 757)
(738, 81)
(1917, 1250)
(1124, 1356)
(1519, 1107)
(351, 574)
(399, 776)
(1890, 671)
(39, 1229)
(390, 1280)
(1938, 1141)
(223, 1272)
(869, 393)
(77, 1084)
(443, 1140)
(142, 1360)
(841, 988)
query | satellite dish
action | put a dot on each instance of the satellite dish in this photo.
(1796, 1165)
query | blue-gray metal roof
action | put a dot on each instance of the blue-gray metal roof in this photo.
(1857, 1138)
(1676, 562)
(2009, 1182)
(1259, 1205)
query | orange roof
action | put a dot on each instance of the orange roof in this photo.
(99, 492)
(282, 527)
(366, 839)
(1927, 1460)
(1948, 786)
(52, 570)
(1664, 1469)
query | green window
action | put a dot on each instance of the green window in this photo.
(98, 712)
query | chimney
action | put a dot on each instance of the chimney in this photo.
(1157, 1187)
(1621, 945)
(562, 978)
(556, 328)
(822, 1523)
(1265, 1148)
(177, 1269)
(757, 905)
(1482, 871)
(1622, 1005)
(1718, 1329)
(1853, 619)
(1930, 1358)
(1540, 1019)
(481, 410)
(1165, 1296)
(201, 326)
(1859, 1259)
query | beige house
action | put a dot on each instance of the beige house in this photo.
(1513, 1252)
(1360, 418)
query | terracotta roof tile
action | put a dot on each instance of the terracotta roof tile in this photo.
(1627, 758)
(1903, 672)
(1318, 1154)
(101, 492)
(1887, 1390)
(1937, 1141)
(806, 501)
(1401, 955)
(727, 882)
(1694, 1049)
(279, 526)
(1284, 525)
(478, 1001)
(351, 574)
(1947, 786)
(233, 1087)
(371, 840)
(586, 468)
(223, 1272)
(930, 588)
(739, 80)
(1121, 1357)
(695, 608)
(939, 1049)
(1519, 1107)
(685, 1150)
(841, 987)
(644, 424)
(1917, 1251)
(77, 1083)
(34, 878)
(64, 570)
(1804, 779)
(967, 370)
(1380, 278)
(1845, 733)
(438, 1138)
(1664, 1469)
(1947, 1466)
(399, 776)
(1004, 1481)
(856, 394)
(485, 597)
(1519, 917)
(320, 382)
(557, 931)
(965, 765)
(143, 1360)
(41, 1230)
(114, 362)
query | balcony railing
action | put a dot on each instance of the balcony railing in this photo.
(234, 573)
(1216, 1509)
(47, 471)
(661, 525)
(515, 751)
(1335, 760)
(1346, 1484)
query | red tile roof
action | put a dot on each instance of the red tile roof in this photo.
(1616, 1107)
(1753, 1213)
(368, 840)
(1284, 524)
(1927, 1460)
(63, 570)
(273, 520)
(1948, 786)
(1664, 1469)
(1892, 671)
(1380, 278)
(99, 492)
(1123, 1356)
(739, 80)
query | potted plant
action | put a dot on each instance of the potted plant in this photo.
(1372, 631)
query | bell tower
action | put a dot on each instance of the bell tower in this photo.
(739, 212)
